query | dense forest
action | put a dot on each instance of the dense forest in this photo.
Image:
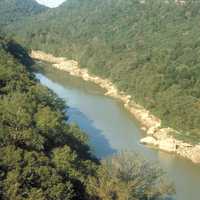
(43, 157)
(12, 11)
(149, 49)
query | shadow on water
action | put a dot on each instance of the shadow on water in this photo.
(104, 122)
(98, 142)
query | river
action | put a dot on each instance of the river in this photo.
(111, 128)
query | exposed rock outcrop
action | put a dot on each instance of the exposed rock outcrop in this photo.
(156, 136)
(149, 140)
(163, 140)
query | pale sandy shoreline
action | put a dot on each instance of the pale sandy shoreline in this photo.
(156, 136)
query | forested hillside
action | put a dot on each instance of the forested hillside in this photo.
(150, 49)
(13, 10)
(42, 157)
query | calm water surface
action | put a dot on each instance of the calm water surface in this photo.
(111, 129)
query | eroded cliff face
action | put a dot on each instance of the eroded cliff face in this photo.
(156, 136)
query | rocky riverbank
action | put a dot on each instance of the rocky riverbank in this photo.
(156, 136)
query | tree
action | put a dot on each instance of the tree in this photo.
(127, 176)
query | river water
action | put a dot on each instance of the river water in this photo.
(111, 129)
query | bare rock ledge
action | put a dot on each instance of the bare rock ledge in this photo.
(156, 136)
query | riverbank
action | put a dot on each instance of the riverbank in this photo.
(156, 136)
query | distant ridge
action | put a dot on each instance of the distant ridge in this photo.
(14, 10)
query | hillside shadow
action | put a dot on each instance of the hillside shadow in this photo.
(20, 53)
(99, 144)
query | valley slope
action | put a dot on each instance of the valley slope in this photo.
(12, 11)
(44, 157)
(148, 49)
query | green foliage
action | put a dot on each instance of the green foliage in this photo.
(150, 50)
(37, 158)
(127, 176)
(64, 158)
(13, 10)
(43, 157)
(48, 121)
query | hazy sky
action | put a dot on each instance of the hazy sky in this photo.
(51, 3)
